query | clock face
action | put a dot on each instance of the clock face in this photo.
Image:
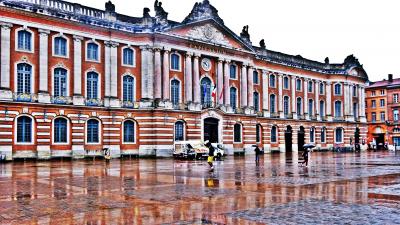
(206, 64)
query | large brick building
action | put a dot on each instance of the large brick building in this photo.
(382, 99)
(74, 79)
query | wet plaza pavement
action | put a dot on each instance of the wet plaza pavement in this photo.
(334, 189)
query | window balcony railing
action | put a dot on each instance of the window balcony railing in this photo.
(25, 97)
(338, 118)
(207, 105)
(313, 117)
(179, 106)
(238, 111)
(260, 113)
(274, 115)
(62, 100)
(301, 117)
(324, 118)
(130, 105)
(288, 116)
(94, 102)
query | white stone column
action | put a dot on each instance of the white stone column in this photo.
(363, 119)
(305, 91)
(157, 73)
(5, 85)
(346, 100)
(107, 71)
(317, 112)
(44, 95)
(196, 80)
(329, 100)
(227, 97)
(243, 88)
(78, 95)
(188, 78)
(250, 84)
(280, 97)
(147, 76)
(265, 93)
(220, 81)
(293, 98)
(114, 102)
(351, 113)
(166, 83)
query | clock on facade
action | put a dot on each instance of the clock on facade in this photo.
(206, 64)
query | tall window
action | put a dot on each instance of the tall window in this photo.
(179, 131)
(396, 98)
(338, 109)
(373, 93)
(321, 88)
(237, 133)
(60, 82)
(24, 76)
(129, 131)
(382, 103)
(24, 40)
(310, 107)
(24, 129)
(354, 91)
(298, 85)
(233, 72)
(255, 77)
(129, 89)
(60, 130)
(128, 57)
(272, 80)
(60, 46)
(272, 103)
(396, 115)
(175, 93)
(373, 103)
(285, 82)
(322, 108)
(286, 103)
(206, 92)
(312, 135)
(323, 135)
(355, 110)
(92, 51)
(274, 138)
(256, 99)
(258, 133)
(92, 131)
(338, 89)
(382, 92)
(383, 116)
(310, 86)
(233, 94)
(299, 106)
(175, 62)
(339, 135)
(373, 117)
(92, 85)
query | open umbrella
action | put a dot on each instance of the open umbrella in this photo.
(307, 146)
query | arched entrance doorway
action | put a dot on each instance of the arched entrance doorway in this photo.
(211, 130)
(300, 138)
(288, 139)
(379, 138)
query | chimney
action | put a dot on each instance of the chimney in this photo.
(390, 78)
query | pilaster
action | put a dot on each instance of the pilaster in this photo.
(78, 98)
(265, 93)
(157, 73)
(250, 88)
(220, 83)
(43, 96)
(293, 98)
(243, 87)
(227, 97)
(280, 97)
(166, 84)
(147, 76)
(329, 101)
(188, 78)
(196, 79)
(5, 91)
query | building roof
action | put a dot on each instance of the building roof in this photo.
(384, 83)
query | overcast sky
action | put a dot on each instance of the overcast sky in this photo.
(315, 29)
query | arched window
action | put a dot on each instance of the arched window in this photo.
(24, 77)
(272, 103)
(129, 131)
(272, 80)
(175, 62)
(60, 82)
(237, 133)
(321, 88)
(338, 109)
(206, 92)
(323, 135)
(274, 135)
(128, 57)
(338, 89)
(299, 106)
(339, 135)
(255, 77)
(312, 135)
(322, 108)
(310, 86)
(256, 99)
(285, 82)
(233, 94)
(129, 89)
(298, 85)
(258, 133)
(92, 52)
(92, 85)
(179, 131)
(286, 103)
(60, 46)
(175, 92)
(233, 71)
(60, 130)
(24, 40)
(24, 129)
(310, 107)
(92, 133)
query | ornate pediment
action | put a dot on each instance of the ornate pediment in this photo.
(208, 33)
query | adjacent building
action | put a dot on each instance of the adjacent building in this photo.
(75, 80)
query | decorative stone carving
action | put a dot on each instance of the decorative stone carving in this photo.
(202, 11)
(208, 33)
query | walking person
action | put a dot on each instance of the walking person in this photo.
(258, 153)
(305, 156)
(210, 158)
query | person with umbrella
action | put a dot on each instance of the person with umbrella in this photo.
(305, 153)
(210, 158)
(258, 153)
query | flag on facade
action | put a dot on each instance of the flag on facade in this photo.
(221, 95)
(214, 94)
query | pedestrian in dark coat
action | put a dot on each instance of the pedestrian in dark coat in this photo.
(258, 153)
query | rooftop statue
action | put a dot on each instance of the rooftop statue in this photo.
(146, 13)
(203, 10)
(160, 12)
(245, 33)
(262, 44)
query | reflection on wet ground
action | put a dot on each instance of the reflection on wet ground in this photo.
(335, 188)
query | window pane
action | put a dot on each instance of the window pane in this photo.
(175, 92)
(24, 129)
(129, 131)
(179, 132)
(233, 97)
(129, 88)
(237, 133)
(93, 131)
(60, 130)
